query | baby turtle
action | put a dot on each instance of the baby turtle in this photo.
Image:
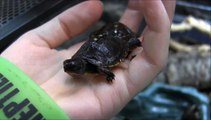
(104, 49)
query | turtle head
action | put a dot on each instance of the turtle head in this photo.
(77, 66)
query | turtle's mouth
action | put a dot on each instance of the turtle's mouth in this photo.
(66, 65)
(66, 68)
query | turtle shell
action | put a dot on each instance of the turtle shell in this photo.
(107, 46)
(104, 49)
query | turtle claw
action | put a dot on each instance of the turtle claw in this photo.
(110, 78)
(109, 75)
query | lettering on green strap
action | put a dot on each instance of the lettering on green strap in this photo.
(12, 109)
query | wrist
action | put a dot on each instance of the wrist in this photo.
(22, 98)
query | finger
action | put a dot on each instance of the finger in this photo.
(157, 33)
(69, 24)
(132, 16)
(155, 42)
(157, 28)
(170, 7)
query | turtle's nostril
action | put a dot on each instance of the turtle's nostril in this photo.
(65, 63)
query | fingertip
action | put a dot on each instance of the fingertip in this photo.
(170, 8)
(155, 15)
(96, 6)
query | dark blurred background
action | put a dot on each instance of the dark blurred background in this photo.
(182, 91)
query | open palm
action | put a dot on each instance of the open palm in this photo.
(91, 97)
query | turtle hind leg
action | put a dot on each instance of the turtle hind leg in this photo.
(109, 75)
(133, 43)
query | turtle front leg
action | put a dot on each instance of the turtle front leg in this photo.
(109, 75)
(133, 43)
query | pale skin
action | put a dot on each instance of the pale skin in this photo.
(92, 97)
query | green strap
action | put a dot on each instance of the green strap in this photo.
(22, 98)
